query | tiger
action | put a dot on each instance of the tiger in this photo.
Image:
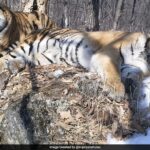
(113, 55)
(14, 26)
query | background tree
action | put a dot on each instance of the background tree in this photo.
(129, 15)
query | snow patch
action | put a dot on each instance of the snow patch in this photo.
(135, 139)
(145, 94)
(58, 73)
(144, 102)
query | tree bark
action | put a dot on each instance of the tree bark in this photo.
(128, 15)
(38, 5)
(28, 5)
(117, 15)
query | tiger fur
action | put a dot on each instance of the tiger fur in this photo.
(14, 26)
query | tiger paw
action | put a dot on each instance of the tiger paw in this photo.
(132, 87)
(8, 69)
(116, 91)
(132, 78)
(13, 65)
(16, 66)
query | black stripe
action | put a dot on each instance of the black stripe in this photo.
(43, 36)
(54, 35)
(47, 44)
(35, 25)
(22, 48)
(64, 60)
(1, 55)
(38, 46)
(11, 46)
(48, 22)
(15, 44)
(42, 31)
(7, 49)
(13, 56)
(67, 48)
(48, 59)
(30, 49)
(36, 14)
(64, 41)
(26, 41)
(54, 42)
(132, 51)
(124, 67)
(76, 51)
(38, 62)
(31, 26)
(5, 25)
(35, 6)
(121, 54)
(72, 58)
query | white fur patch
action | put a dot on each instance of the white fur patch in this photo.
(96, 66)
(2, 23)
(132, 54)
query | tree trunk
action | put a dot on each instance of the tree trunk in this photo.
(38, 5)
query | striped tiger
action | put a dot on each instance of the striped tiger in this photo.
(108, 53)
(14, 26)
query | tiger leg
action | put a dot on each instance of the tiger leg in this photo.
(135, 65)
(109, 71)
(132, 78)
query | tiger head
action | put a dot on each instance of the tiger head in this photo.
(5, 18)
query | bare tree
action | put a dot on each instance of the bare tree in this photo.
(91, 14)
(39, 5)
(117, 15)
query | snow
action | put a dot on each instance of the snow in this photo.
(58, 73)
(144, 102)
(135, 139)
(145, 94)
